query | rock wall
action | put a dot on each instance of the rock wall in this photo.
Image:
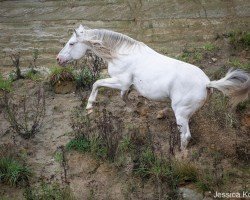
(166, 25)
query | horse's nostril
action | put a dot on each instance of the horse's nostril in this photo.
(57, 59)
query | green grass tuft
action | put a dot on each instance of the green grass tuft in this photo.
(12, 172)
(48, 191)
(79, 144)
(239, 39)
(209, 47)
(5, 85)
(33, 75)
(185, 171)
(235, 62)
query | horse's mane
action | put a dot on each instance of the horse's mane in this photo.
(108, 44)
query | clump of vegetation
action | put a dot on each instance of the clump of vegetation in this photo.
(239, 39)
(32, 74)
(35, 54)
(209, 47)
(100, 137)
(191, 56)
(86, 77)
(13, 170)
(79, 144)
(198, 54)
(235, 62)
(5, 85)
(185, 171)
(212, 177)
(25, 117)
(15, 58)
(61, 74)
(48, 191)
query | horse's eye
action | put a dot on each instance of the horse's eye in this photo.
(71, 44)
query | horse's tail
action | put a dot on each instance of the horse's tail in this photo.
(236, 85)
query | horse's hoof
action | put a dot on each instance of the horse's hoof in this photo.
(89, 111)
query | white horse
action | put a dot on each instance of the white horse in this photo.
(153, 75)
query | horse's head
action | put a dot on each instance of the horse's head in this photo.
(74, 48)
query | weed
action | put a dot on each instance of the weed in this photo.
(91, 194)
(47, 191)
(191, 56)
(58, 157)
(25, 118)
(209, 47)
(33, 75)
(185, 171)
(100, 136)
(239, 39)
(15, 58)
(35, 54)
(61, 74)
(90, 71)
(5, 85)
(78, 144)
(85, 78)
(125, 144)
(12, 172)
(235, 62)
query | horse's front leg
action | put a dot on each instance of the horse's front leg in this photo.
(108, 82)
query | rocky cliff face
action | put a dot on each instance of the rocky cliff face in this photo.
(166, 25)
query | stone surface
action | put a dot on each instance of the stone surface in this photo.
(189, 194)
(167, 26)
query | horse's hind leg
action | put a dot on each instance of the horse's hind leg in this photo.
(183, 112)
(124, 95)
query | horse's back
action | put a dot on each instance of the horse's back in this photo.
(158, 77)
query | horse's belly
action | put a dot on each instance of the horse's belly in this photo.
(151, 89)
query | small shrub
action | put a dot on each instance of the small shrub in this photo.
(101, 135)
(26, 117)
(79, 144)
(61, 74)
(35, 54)
(86, 77)
(15, 58)
(12, 172)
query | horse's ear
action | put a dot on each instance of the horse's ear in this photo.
(82, 28)
(76, 33)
